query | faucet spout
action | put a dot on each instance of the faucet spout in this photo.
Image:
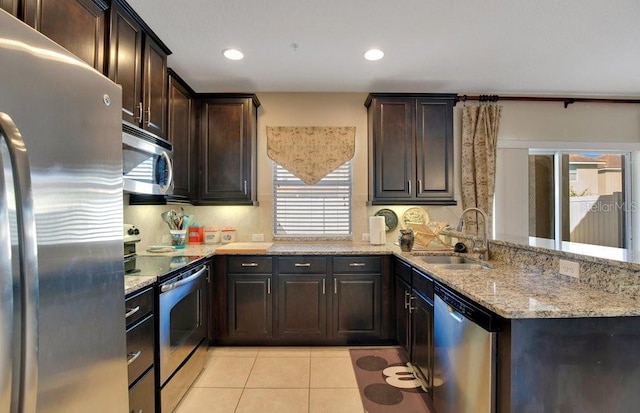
(484, 248)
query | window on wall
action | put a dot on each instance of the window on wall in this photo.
(319, 210)
(579, 197)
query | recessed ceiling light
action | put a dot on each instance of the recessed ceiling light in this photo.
(233, 54)
(374, 54)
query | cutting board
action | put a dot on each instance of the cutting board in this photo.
(244, 248)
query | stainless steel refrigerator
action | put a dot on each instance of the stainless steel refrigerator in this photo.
(62, 326)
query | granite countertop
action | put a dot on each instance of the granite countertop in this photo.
(509, 291)
(513, 292)
(133, 283)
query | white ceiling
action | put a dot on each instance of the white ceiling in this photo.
(533, 47)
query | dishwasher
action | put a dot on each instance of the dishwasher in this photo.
(465, 336)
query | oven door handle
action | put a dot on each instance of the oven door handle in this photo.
(168, 287)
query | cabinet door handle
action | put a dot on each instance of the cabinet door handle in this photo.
(335, 286)
(324, 291)
(406, 299)
(131, 311)
(419, 186)
(133, 357)
(139, 117)
(245, 187)
(249, 264)
(149, 115)
(411, 308)
(269, 285)
(302, 264)
(357, 264)
(409, 182)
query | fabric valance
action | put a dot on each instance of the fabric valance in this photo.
(311, 152)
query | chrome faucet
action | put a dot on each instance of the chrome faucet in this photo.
(484, 248)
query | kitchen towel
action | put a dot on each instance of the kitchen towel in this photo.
(377, 231)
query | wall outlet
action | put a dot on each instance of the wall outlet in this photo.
(257, 237)
(365, 236)
(570, 268)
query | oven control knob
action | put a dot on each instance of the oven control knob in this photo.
(133, 231)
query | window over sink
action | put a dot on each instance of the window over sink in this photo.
(319, 210)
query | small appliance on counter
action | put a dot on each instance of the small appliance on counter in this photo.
(131, 236)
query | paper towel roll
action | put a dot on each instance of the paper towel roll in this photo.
(377, 231)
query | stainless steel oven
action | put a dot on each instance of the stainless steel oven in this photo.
(182, 332)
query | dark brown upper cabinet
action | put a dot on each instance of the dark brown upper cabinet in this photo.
(410, 148)
(77, 25)
(182, 130)
(138, 62)
(228, 149)
(10, 6)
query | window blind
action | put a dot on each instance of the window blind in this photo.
(322, 209)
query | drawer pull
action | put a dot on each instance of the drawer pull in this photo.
(304, 264)
(131, 312)
(249, 264)
(357, 264)
(133, 357)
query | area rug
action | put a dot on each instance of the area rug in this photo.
(386, 384)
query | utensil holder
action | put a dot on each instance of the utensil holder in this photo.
(178, 237)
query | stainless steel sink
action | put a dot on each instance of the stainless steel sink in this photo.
(455, 262)
(465, 266)
(447, 259)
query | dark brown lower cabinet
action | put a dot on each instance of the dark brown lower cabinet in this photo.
(422, 339)
(402, 294)
(250, 306)
(302, 306)
(142, 394)
(139, 309)
(356, 306)
(302, 300)
(414, 319)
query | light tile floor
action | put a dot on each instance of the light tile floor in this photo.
(275, 380)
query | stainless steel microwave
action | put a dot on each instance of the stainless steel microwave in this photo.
(147, 162)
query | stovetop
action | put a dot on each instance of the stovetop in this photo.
(158, 266)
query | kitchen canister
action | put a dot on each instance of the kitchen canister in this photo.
(211, 235)
(196, 234)
(228, 235)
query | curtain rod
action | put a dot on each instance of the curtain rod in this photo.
(567, 101)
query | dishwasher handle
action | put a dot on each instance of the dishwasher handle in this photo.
(454, 314)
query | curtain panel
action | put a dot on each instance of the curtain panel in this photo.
(480, 126)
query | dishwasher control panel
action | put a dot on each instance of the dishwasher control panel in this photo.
(470, 310)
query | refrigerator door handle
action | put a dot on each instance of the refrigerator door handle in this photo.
(28, 258)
